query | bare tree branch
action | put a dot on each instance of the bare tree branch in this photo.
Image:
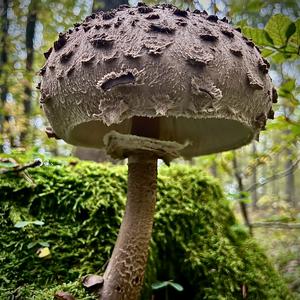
(274, 177)
(18, 168)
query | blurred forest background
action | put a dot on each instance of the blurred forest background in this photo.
(262, 179)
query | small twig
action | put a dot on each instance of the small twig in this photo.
(274, 177)
(18, 168)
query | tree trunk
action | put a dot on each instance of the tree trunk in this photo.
(241, 188)
(3, 61)
(254, 193)
(290, 180)
(30, 33)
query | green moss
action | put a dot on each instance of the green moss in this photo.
(196, 240)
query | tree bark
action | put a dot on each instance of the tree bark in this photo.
(3, 61)
(123, 278)
(30, 33)
(290, 180)
(254, 193)
(241, 188)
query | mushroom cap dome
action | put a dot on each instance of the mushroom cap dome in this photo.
(207, 84)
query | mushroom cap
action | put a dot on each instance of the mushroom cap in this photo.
(204, 80)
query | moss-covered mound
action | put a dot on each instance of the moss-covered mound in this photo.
(196, 240)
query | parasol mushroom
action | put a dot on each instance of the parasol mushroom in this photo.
(147, 83)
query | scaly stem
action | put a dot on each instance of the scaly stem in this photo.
(123, 278)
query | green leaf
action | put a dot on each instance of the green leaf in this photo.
(44, 244)
(176, 286)
(295, 38)
(267, 52)
(278, 29)
(31, 245)
(288, 86)
(21, 224)
(259, 36)
(290, 31)
(159, 284)
(40, 223)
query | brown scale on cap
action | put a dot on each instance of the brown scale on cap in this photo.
(152, 17)
(213, 18)
(43, 70)
(122, 79)
(254, 81)
(70, 71)
(134, 22)
(250, 44)
(88, 61)
(62, 40)
(108, 15)
(236, 52)
(260, 121)
(118, 23)
(266, 62)
(66, 56)
(257, 49)
(47, 53)
(263, 67)
(44, 97)
(271, 114)
(227, 32)
(107, 25)
(170, 6)
(86, 28)
(101, 40)
(145, 9)
(274, 95)
(181, 22)
(161, 28)
(209, 37)
(180, 13)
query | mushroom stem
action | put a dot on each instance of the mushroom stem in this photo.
(123, 278)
